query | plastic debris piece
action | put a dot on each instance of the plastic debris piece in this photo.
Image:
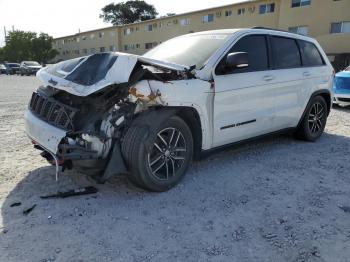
(346, 209)
(16, 204)
(27, 211)
(71, 193)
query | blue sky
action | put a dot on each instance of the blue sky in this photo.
(64, 17)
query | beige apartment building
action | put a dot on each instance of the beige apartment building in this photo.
(326, 20)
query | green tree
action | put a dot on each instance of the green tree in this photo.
(18, 45)
(42, 48)
(128, 12)
(21, 45)
(2, 57)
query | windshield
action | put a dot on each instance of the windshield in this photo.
(13, 65)
(32, 63)
(188, 50)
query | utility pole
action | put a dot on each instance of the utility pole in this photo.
(5, 35)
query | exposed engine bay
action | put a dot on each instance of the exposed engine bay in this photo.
(94, 107)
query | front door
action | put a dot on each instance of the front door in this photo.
(244, 98)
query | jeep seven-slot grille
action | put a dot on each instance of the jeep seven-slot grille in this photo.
(52, 111)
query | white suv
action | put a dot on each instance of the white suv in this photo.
(149, 116)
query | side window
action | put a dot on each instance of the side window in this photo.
(256, 48)
(286, 52)
(310, 54)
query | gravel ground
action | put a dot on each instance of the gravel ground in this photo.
(273, 200)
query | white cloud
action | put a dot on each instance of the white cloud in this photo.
(65, 17)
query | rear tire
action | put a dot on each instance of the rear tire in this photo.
(314, 120)
(158, 155)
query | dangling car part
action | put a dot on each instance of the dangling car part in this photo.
(149, 116)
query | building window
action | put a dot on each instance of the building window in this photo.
(83, 37)
(340, 27)
(148, 28)
(129, 47)
(300, 3)
(150, 45)
(92, 36)
(128, 31)
(102, 49)
(208, 18)
(228, 13)
(267, 8)
(241, 11)
(78, 39)
(137, 45)
(185, 22)
(112, 48)
(101, 34)
(301, 30)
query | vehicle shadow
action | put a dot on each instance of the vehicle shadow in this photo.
(114, 222)
(341, 108)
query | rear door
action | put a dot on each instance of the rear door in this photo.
(290, 84)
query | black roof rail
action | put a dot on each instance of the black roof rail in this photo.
(273, 29)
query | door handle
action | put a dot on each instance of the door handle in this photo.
(306, 73)
(268, 78)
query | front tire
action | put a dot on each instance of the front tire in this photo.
(314, 120)
(159, 155)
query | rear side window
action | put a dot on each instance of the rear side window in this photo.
(286, 53)
(310, 54)
(256, 48)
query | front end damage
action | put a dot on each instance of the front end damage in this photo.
(79, 116)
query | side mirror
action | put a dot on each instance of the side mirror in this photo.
(237, 60)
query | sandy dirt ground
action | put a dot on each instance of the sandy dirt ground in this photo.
(278, 199)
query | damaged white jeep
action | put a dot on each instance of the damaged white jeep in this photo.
(149, 116)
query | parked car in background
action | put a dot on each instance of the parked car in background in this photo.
(341, 88)
(29, 68)
(149, 116)
(12, 68)
(2, 69)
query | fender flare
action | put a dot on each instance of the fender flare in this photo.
(314, 94)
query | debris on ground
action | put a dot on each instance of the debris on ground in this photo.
(27, 211)
(346, 209)
(71, 193)
(16, 204)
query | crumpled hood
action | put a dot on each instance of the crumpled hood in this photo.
(85, 75)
